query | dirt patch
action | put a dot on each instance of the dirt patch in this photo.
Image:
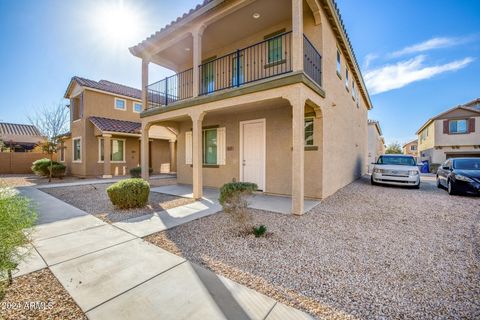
(38, 295)
(93, 199)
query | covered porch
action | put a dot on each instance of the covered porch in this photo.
(263, 137)
(260, 201)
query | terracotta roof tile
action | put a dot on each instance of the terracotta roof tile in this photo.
(109, 86)
(114, 125)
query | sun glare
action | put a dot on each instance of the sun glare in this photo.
(118, 23)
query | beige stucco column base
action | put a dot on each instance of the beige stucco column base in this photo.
(173, 167)
(144, 152)
(197, 180)
(107, 171)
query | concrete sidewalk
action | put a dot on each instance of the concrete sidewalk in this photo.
(111, 273)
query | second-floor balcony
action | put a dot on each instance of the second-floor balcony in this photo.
(266, 59)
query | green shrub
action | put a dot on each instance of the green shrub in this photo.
(41, 167)
(233, 200)
(58, 170)
(137, 172)
(259, 231)
(129, 193)
(17, 216)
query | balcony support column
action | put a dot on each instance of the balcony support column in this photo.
(144, 83)
(173, 160)
(297, 102)
(197, 181)
(197, 58)
(144, 150)
(107, 150)
(297, 35)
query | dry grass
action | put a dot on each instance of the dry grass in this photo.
(39, 296)
(28, 180)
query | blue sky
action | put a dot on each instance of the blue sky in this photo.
(418, 57)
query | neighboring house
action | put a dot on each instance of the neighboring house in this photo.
(265, 91)
(453, 133)
(376, 143)
(105, 131)
(411, 148)
(19, 137)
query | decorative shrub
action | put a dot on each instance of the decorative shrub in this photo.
(129, 193)
(41, 167)
(17, 216)
(233, 200)
(259, 231)
(58, 170)
(137, 172)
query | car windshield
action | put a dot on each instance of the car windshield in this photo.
(396, 160)
(467, 164)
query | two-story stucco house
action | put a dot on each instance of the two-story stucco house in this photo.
(265, 91)
(376, 142)
(411, 148)
(453, 133)
(104, 138)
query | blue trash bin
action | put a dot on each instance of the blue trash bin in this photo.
(425, 167)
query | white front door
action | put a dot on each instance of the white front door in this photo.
(252, 152)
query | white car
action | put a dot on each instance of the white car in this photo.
(396, 169)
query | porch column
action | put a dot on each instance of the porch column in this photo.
(173, 164)
(197, 59)
(197, 182)
(107, 150)
(297, 35)
(144, 83)
(298, 155)
(144, 146)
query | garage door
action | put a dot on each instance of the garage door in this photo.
(463, 155)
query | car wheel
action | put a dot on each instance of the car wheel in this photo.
(451, 188)
(417, 186)
(373, 183)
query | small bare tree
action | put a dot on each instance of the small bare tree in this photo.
(52, 123)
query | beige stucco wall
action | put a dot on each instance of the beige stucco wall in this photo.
(375, 145)
(278, 151)
(407, 148)
(429, 142)
(102, 105)
(469, 139)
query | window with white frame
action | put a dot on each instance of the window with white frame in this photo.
(137, 107)
(213, 146)
(339, 62)
(309, 131)
(117, 150)
(354, 93)
(413, 147)
(62, 152)
(458, 126)
(120, 104)
(77, 149)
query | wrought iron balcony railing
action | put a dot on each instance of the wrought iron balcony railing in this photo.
(269, 58)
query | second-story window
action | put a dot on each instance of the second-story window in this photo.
(120, 104)
(346, 79)
(413, 147)
(137, 107)
(458, 126)
(354, 94)
(339, 62)
(275, 47)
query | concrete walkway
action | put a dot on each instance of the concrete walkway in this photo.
(279, 204)
(111, 273)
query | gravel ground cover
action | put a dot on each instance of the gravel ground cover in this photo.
(93, 199)
(367, 252)
(38, 295)
(26, 180)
